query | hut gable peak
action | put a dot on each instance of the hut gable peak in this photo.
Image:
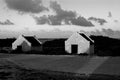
(33, 40)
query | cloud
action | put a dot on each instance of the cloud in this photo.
(55, 33)
(62, 17)
(33, 6)
(42, 20)
(81, 21)
(99, 20)
(106, 32)
(109, 14)
(116, 21)
(7, 22)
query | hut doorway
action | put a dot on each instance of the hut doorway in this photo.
(74, 49)
(19, 48)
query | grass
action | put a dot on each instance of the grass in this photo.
(11, 71)
(6, 55)
(68, 63)
(111, 66)
(55, 63)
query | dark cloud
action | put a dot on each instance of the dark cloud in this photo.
(62, 17)
(109, 14)
(108, 32)
(99, 20)
(56, 7)
(42, 20)
(34, 6)
(7, 22)
(116, 21)
(81, 21)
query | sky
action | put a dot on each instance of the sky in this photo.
(45, 18)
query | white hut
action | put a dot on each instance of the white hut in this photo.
(79, 43)
(26, 43)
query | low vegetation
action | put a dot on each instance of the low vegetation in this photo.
(105, 46)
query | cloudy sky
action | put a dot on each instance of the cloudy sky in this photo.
(45, 18)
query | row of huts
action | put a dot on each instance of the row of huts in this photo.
(77, 43)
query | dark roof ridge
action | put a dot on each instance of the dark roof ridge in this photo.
(33, 40)
(86, 36)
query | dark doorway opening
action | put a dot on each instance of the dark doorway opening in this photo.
(74, 49)
(19, 48)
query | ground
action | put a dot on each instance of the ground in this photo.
(82, 65)
(70, 63)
